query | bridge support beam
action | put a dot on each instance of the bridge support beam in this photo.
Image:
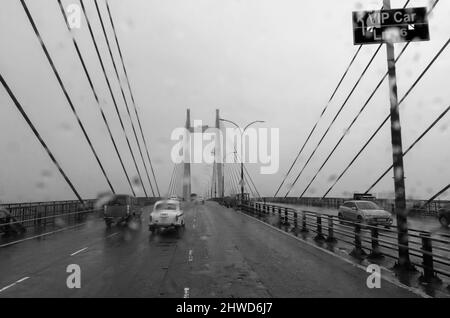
(219, 158)
(187, 159)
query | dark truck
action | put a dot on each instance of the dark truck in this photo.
(8, 224)
(121, 209)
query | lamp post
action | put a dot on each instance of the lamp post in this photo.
(242, 152)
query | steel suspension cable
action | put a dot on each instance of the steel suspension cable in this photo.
(411, 146)
(131, 94)
(436, 195)
(360, 111)
(171, 179)
(338, 113)
(318, 120)
(111, 92)
(38, 136)
(105, 120)
(66, 94)
(388, 116)
(123, 96)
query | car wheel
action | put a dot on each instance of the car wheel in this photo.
(444, 221)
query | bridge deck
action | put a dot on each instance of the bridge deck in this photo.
(221, 253)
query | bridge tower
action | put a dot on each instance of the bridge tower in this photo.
(218, 163)
(187, 160)
(219, 158)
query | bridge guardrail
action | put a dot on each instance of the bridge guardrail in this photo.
(415, 207)
(43, 213)
(428, 251)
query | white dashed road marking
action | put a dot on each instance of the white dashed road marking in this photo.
(22, 279)
(79, 251)
(13, 284)
(186, 292)
(191, 256)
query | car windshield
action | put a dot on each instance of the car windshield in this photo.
(365, 205)
(166, 206)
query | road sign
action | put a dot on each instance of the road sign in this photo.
(393, 26)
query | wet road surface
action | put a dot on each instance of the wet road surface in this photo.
(220, 253)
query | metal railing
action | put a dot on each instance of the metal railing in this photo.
(428, 251)
(415, 207)
(35, 214)
(43, 213)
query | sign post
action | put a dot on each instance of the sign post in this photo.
(397, 156)
(390, 26)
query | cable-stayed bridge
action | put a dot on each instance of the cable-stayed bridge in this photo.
(239, 241)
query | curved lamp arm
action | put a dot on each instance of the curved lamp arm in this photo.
(231, 122)
(253, 122)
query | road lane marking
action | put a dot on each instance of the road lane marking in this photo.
(392, 281)
(191, 257)
(6, 287)
(41, 235)
(186, 292)
(22, 279)
(14, 284)
(114, 234)
(79, 251)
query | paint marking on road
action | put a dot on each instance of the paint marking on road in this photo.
(6, 287)
(191, 256)
(41, 235)
(114, 234)
(14, 284)
(22, 279)
(392, 281)
(186, 292)
(79, 251)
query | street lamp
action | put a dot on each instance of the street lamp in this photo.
(242, 152)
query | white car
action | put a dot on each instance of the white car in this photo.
(166, 214)
(366, 212)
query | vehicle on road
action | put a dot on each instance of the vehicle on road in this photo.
(166, 214)
(121, 209)
(201, 200)
(444, 215)
(365, 212)
(8, 224)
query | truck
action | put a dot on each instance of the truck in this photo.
(121, 209)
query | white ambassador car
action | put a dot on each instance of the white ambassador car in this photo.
(166, 214)
(366, 212)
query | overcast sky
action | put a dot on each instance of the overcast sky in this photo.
(277, 61)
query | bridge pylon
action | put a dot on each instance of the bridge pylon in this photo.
(218, 154)
(187, 160)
